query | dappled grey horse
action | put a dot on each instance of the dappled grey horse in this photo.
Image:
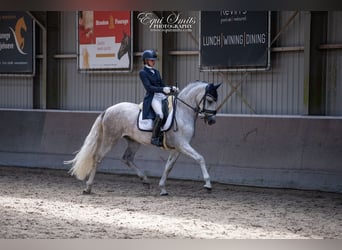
(120, 120)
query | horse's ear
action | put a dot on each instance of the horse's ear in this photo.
(217, 85)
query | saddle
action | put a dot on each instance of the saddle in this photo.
(168, 110)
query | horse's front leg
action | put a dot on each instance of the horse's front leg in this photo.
(192, 153)
(168, 167)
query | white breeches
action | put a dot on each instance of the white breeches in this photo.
(157, 104)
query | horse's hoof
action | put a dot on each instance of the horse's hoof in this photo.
(164, 194)
(86, 192)
(145, 179)
(208, 189)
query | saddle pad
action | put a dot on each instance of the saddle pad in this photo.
(147, 124)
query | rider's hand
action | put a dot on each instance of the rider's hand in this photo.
(175, 89)
(167, 90)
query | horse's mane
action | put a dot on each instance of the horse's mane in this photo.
(191, 86)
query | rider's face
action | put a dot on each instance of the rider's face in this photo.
(151, 63)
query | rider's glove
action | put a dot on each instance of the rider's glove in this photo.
(167, 90)
(175, 89)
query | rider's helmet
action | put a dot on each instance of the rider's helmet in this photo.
(149, 55)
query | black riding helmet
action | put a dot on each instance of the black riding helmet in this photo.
(149, 55)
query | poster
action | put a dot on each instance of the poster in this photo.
(16, 43)
(235, 40)
(104, 40)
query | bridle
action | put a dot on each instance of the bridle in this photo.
(208, 113)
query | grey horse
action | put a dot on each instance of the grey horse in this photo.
(120, 120)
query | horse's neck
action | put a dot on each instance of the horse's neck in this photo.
(191, 98)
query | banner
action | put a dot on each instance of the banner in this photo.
(233, 40)
(104, 40)
(16, 43)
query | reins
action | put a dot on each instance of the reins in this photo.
(196, 109)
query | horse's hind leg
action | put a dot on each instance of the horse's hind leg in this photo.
(128, 158)
(90, 181)
(105, 145)
(168, 167)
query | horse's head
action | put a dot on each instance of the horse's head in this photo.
(201, 97)
(125, 45)
(19, 27)
(208, 103)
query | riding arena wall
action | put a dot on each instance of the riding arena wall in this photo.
(256, 150)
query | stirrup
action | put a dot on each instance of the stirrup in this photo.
(157, 141)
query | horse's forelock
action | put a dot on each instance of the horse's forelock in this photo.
(211, 90)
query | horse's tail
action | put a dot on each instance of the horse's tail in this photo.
(85, 159)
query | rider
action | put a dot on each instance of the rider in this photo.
(156, 92)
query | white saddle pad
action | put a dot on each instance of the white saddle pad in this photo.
(147, 124)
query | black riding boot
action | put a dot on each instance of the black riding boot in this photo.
(157, 137)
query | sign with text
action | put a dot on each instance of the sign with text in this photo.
(16, 43)
(233, 40)
(104, 40)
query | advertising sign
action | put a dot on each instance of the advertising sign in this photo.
(16, 43)
(233, 40)
(105, 40)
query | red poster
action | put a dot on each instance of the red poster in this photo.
(104, 40)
